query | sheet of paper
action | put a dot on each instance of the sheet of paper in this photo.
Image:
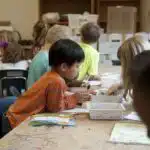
(94, 83)
(76, 111)
(108, 79)
(133, 116)
(129, 133)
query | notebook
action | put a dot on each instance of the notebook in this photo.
(52, 119)
(129, 133)
(76, 111)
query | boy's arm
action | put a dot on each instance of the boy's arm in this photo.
(58, 98)
(24, 107)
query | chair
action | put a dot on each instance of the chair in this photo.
(12, 78)
(5, 103)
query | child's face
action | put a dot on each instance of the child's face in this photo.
(70, 72)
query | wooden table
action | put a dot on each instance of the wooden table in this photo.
(86, 135)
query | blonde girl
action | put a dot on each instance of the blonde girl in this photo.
(40, 63)
(128, 50)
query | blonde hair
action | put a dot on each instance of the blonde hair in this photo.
(130, 48)
(13, 53)
(58, 32)
(6, 36)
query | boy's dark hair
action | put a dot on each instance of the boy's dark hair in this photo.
(140, 74)
(65, 51)
(90, 33)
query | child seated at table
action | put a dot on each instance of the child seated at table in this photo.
(13, 57)
(39, 64)
(49, 94)
(126, 53)
(90, 34)
(140, 81)
(40, 30)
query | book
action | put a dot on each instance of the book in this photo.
(52, 119)
(129, 133)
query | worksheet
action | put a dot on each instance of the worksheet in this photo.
(132, 116)
(129, 133)
(77, 111)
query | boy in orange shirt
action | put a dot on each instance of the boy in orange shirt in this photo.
(49, 94)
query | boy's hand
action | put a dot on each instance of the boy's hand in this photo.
(83, 96)
(94, 78)
(75, 83)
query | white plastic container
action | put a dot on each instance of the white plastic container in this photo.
(106, 111)
(105, 99)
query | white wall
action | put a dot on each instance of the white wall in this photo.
(22, 13)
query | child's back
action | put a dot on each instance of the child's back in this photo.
(35, 99)
(39, 64)
(38, 67)
(90, 64)
(90, 34)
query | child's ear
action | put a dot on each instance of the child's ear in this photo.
(64, 67)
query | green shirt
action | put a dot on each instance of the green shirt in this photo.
(90, 64)
(38, 67)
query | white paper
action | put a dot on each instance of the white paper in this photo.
(67, 93)
(115, 36)
(129, 133)
(108, 79)
(94, 83)
(76, 111)
(50, 119)
(133, 116)
(103, 38)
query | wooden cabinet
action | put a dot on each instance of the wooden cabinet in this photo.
(67, 6)
(102, 9)
(93, 6)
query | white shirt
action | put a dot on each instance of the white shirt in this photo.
(21, 65)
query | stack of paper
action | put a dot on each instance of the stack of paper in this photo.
(77, 111)
(129, 133)
(52, 119)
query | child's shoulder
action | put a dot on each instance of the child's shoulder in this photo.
(89, 48)
(41, 54)
(49, 80)
(39, 58)
(54, 78)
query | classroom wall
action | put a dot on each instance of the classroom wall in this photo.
(145, 15)
(22, 13)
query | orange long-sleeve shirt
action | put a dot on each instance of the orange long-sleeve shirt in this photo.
(47, 95)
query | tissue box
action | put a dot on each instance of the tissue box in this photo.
(106, 111)
(105, 99)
